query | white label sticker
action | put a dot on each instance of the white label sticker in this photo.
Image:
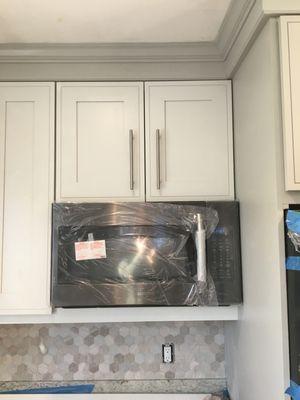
(91, 250)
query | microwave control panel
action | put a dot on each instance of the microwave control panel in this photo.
(223, 254)
(221, 260)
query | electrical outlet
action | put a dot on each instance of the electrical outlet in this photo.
(168, 353)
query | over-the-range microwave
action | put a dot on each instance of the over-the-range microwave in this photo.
(146, 254)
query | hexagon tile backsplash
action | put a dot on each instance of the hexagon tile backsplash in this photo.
(111, 351)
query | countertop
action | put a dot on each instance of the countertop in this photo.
(174, 386)
(109, 397)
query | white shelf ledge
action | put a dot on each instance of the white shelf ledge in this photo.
(126, 314)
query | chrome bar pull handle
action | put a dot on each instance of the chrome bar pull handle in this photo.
(131, 158)
(201, 250)
(158, 159)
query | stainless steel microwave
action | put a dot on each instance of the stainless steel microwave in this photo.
(146, 254)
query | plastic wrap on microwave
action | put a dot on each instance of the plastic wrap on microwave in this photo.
(131, 254)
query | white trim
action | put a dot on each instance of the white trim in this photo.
(233, 22)
(109, 52)
(277, 7)
(24, 312)
(96, 72)
(247, 33)
(125, 314)
(242, 23)
(51, 187)
(214, 51)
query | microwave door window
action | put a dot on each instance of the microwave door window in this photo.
(132, 254)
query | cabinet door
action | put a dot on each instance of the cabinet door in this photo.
(189, 151)
(26, 194)
(100, 142)
(290, 82)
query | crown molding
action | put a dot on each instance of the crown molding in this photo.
(109, 52)
(242, 23)
(234, 20)
(253, 15)
(252, 25)
(133, 52)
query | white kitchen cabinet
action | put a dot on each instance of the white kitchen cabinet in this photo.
(26, 194)
(290, 85)
(189, 149)
(100, 142)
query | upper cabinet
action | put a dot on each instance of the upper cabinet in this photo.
(100, 142)
(26, 195)
(188, 146)
(100, 157)
(290, 80)
(189, 150)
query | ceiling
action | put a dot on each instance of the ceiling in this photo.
(110, 21)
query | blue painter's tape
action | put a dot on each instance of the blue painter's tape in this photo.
(293, 391)
(72, 389)
(293, 221)
(293, 263)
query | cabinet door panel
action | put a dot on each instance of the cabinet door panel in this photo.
(27, 191)
(195, 141)
(290, 80)
(94, 146)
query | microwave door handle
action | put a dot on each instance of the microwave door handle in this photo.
(131, 177)
(201, 250)
(157, 133)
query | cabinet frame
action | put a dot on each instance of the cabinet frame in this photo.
(287, 103)
(138, 151)
(44, 307)
(149, 184)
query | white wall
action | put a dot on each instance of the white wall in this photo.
(256, 346)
